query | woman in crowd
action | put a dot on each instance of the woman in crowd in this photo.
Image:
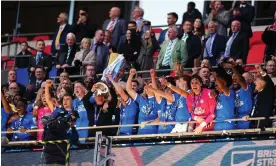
(84, 56)
(128, 108)
(198, 30)
(200, 104)
(167, 103)
(40, 109)
(147, 104)
(225, 100)
(149, 45)
(131, 48)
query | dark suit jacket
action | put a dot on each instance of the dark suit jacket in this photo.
(22, 88)
(83, 30)
(118, 31)
(162, 36)
(246, 18)
(193, 48)
(268, 38)
(62, 55)
(102, 55)
(240, 47)
(219, 45)
(22, 62)
(31, 94)
(191, 16)
(62, 39)
(45, 60)
(123, 40)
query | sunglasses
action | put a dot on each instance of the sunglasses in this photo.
(82, 14)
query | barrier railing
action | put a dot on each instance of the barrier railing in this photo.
(150, 124)
(148, 71)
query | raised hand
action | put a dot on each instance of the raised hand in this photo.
(49, 83)
(132, 72)
(152, 73)
(94, 88)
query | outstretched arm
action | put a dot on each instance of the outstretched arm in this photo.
(160, 93)
(154, 85)
(5, 103)
(238, 76)
(49, 84)
(129, 90)
(118, 88)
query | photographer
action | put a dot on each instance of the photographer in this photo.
(56, 127)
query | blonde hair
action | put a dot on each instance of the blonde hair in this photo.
(86, 40)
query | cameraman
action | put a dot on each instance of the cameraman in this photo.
(56, 127)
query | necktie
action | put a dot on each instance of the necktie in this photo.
(229, 44)
(68, 54)
(38, 55)
(58, 37)
(208, 47)
(111, 26)
(167, 57)
(37, 84)
(185, 36)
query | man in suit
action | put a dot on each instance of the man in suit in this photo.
(214, 45)
(192, 13)
(66, 54)
(192, 42)
(137, 16)
(172, 51)
(83, 28)
(100, 49)
(35, 83)
(244, 13)
(171, 20)
(107, 38)
(237, 45)
(221, 16)
(116, 25)
(60, 34)
(40, 59)
(11, 79)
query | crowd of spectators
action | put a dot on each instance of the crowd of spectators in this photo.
(208, 95)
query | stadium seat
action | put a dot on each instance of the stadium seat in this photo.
(22, 76)
(9, 64)
(255, 55)
(256, 38)
(48, 49)
(53, 72)
(156, 30)
(41, 38)
(19, 39)
(32, 51)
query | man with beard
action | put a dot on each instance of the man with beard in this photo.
(243, 96)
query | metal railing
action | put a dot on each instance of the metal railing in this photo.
(148, 71)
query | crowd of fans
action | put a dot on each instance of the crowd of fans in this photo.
(208, 95)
